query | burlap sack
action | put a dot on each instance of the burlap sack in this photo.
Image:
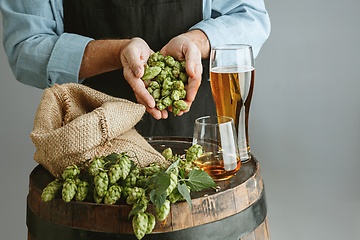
(74, 123)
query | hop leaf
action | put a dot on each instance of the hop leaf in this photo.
(199, 180)
(159, 182)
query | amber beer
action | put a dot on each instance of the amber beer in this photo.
(214, 165)
(232, 89)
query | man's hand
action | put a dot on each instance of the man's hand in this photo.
(133, 58)
(130, 54)
(191, 47)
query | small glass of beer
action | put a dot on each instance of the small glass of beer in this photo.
(232, 76)
(217, 136)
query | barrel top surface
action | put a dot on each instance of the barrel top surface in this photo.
(40, 177)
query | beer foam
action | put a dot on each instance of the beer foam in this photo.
(232, 69)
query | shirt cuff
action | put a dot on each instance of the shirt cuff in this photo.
(66, 58)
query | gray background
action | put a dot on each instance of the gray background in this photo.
(304, 125)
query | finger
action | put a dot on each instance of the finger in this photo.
(139, 89)
(192, 87)
(193, 59)
(153, 111)
(182, 111)
(135, 56)
(164, 114)
(135, 62)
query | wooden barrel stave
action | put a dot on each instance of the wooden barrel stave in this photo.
(235, 196)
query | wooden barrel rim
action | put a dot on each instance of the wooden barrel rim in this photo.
(208, 206)
(232, 227)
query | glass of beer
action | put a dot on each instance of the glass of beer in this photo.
(217, 136)
(232, 82)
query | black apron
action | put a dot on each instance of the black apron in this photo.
(155, 21)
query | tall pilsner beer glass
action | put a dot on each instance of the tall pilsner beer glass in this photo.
(232, 82)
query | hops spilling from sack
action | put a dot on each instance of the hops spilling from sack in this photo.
(117, 178)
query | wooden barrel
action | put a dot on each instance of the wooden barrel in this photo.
(237, 211)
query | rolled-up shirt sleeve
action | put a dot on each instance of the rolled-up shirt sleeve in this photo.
(40, 54)
(235, 21)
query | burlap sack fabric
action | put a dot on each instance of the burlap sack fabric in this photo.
(74, 123)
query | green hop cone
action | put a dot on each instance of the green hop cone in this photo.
(183, 94)
(182, 65)
(125, 165)
(175, 95)
(193, 153)
(156, 57)
(113, 194)
(173, 183)
(156, 94)
(169, 73)
(174, 196)
(126, 191)
(188, 166)
(160, 106)
(167, 101)
(176, 68)
(151, 169)
(181, 104)
(154, 85)
(83, 189)
(142, 201)
(167, 84)
(175, 72)
(150, 90)
(162, 76)
(175, 110)
(97, 199)
(77, 181)
(161, 213)
(159, 64)
(71, 172)
(151, 223)
(178, 85)
(114, 173)
(183, 77)
(130, 180)
(140, 224)
(96, 165)
(52, 190)
(69, 190)
(134, 195)
(170, 61)
(167, 153)
(151, 72)
(101, 182)
(165, 93)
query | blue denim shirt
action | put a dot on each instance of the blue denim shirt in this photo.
(35, 41)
